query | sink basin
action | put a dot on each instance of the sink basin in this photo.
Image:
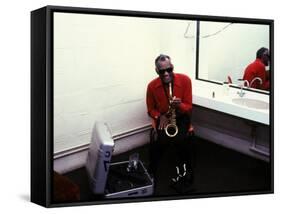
(251, 103)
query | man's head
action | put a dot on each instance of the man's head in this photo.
(164, 68)
(263, 55)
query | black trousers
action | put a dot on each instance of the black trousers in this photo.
(180, 144)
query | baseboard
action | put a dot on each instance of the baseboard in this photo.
(74, 158)
(231, 142)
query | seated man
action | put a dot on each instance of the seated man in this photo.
(255, 73)
(166, 92)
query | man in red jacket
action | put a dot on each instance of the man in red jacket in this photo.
(255, 73)
(158, 100)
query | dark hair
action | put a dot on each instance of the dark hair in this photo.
(161, 57)
(260, 52)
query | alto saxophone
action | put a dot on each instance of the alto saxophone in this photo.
(171, 128)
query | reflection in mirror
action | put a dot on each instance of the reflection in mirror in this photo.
(227, 50)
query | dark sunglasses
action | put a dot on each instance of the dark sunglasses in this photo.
(162, 71)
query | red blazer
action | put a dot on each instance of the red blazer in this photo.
(157, 102)
(257, 69)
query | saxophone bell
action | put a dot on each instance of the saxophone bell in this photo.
(171, 130)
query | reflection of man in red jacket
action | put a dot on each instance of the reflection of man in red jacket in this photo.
(255, 73)
(157, 100)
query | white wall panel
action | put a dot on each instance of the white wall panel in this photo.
(102, 65)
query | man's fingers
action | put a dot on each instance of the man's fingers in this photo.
(176, 100)
(160, 127)
(162, 124)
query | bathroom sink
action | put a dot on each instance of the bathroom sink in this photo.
(251, 103)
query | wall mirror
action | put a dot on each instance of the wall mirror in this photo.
(225, 49)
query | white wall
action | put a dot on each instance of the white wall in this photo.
(102, 65)
(226, 49)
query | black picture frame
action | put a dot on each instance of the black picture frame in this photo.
(42, 92)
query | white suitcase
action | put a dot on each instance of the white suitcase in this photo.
(114, 180)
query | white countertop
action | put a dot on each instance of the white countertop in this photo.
(202, 96)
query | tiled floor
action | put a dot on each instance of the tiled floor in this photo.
(216, 170)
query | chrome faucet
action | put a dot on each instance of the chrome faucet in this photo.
(253, 80)
(241, 93)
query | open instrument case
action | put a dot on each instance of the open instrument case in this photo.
(114, 180)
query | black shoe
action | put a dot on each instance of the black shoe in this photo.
(183, 185)
(183, 180)
(187, 173)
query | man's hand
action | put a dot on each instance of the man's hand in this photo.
(163, 122)
(175, 102)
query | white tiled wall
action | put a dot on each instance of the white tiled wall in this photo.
(102, 65)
